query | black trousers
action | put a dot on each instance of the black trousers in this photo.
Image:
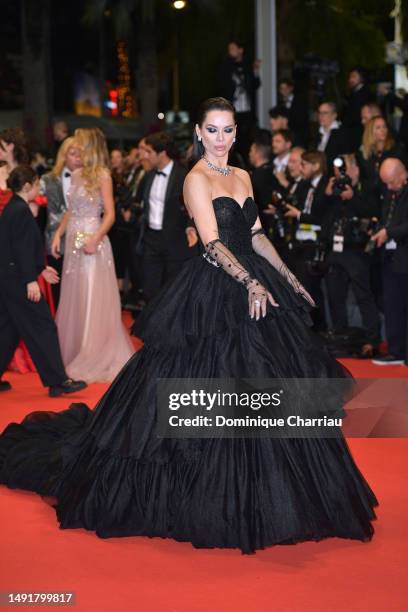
(352, 268)
(395, 308)
(160, 263)
(31, 321)
(121, 247)
(300, 262)
(56, 288)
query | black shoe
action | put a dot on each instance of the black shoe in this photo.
(4, 385)
(69, 386)
(388, 360)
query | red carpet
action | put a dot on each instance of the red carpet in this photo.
(161, 575)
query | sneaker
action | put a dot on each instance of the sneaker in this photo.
(4, 385)
(388, 360)
(69, 386)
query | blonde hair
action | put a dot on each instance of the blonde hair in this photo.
(95, 156)
(369, 139)
(61, 155)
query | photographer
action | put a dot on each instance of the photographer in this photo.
(307, 252)
(392, 238)
(349, 263)
(290, 189)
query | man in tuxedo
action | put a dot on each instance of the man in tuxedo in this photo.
(358, 97)
(313, 208)
(296, 107)
(163, 240)
(23, 311)
(296, 187)
(238, 82)
(282, 141)
(332, 138)
(311, 211)
(393, 239)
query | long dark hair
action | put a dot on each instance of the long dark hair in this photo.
(221, 104)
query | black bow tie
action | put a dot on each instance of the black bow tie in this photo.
(160, 172)
(67, 174)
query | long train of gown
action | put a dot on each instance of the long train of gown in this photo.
(94, 343)
(110, 473)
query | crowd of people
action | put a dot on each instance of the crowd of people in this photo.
(109, 229)
(337, 216)
(333, 197)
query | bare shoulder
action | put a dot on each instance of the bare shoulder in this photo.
(104, 175)
(242, 174)
(197, 179)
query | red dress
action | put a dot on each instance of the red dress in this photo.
(22, 361)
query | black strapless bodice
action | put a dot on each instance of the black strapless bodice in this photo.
(235, 222)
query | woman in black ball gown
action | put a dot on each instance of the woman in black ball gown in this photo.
(246, 316)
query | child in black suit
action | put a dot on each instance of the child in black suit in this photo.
(23, 311)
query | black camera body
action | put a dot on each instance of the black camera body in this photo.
(343, 181)
(278, 201)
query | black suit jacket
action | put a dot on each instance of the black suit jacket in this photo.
(352, 116)
(397, 229)
(22, 255)
(227, 85)
(336, 145)
(263, 183)
(298, 119)
(175, 216)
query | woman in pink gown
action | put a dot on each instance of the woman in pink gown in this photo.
(93, 339)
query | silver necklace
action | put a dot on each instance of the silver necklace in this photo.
(224, 171)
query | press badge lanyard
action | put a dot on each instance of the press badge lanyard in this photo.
(391, 245)
(338, 238)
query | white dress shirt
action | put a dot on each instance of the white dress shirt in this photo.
(157, 197)
(66, 182)
(326, 135)
(280, 163)
(288, 101)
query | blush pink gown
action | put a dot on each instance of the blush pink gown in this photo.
(94, 342)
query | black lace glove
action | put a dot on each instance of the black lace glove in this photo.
(263, 246)
(219, 255)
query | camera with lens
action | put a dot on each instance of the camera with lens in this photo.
(278, 201)
(343, 181)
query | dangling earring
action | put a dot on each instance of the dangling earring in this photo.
(199, 139)
(234, 140)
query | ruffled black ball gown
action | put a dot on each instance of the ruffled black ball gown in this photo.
(110, 473)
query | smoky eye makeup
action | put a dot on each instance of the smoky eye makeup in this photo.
(212, 129)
